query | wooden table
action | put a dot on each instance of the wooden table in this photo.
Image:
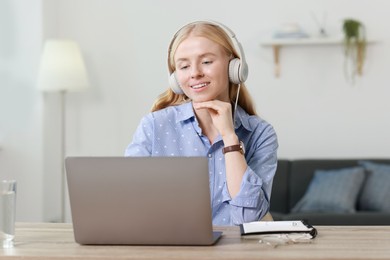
(55, 241)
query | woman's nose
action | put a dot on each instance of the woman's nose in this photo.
(196, 72)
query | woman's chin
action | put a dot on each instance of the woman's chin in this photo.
(200, 100)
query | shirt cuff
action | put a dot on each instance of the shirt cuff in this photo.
(249, 194)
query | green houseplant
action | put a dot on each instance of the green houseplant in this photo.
(354, 47)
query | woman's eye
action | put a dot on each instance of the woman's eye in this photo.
(207, 62)
(184, 67)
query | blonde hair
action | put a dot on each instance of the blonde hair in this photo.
(218, 35)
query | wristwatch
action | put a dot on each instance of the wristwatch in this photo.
(233, 148)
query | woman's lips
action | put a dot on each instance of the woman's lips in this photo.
(200, 85)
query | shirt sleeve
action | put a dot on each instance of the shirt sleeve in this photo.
(253, 200)
(142, 143)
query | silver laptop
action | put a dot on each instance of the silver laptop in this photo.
(140, 200)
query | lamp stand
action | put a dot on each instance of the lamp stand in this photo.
(63, 153)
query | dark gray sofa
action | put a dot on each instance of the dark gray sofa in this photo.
(293, 177)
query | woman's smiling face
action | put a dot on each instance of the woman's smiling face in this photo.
(201, 68)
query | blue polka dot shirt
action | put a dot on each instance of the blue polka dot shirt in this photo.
(174, 131)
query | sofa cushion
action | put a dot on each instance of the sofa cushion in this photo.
(302, 172)
(332, 191)
(376, 190)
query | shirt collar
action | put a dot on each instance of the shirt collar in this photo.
(186, 112)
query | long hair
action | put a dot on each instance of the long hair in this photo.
(219, 36)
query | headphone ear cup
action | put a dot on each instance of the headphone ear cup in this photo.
(174, 84)
(234, 71)
(238, 71)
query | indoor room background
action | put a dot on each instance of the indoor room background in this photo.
(316, 112)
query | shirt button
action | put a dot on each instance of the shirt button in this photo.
(210, 155)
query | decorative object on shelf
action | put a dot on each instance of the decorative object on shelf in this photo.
(354, 48)
(321, 24)
(290, 31)
(62, 69)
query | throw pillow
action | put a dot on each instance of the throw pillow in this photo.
(332, 191)
(376, 191)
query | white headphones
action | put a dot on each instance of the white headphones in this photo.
(238, 68)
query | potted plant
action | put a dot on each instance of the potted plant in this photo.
(354, 47)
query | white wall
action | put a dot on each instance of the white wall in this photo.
(315, 112)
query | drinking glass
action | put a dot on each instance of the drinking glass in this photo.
(7, 212)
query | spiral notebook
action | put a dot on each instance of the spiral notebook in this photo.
(277, 227)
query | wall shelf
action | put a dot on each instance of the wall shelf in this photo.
(276, 44)
(302, 41)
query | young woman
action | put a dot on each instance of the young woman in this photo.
(207, 111)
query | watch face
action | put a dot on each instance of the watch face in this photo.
(242, 147)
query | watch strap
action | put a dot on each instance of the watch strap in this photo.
(233, 148)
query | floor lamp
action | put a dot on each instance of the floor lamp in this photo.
(61, 70)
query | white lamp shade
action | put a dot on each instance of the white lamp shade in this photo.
(62, 67)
